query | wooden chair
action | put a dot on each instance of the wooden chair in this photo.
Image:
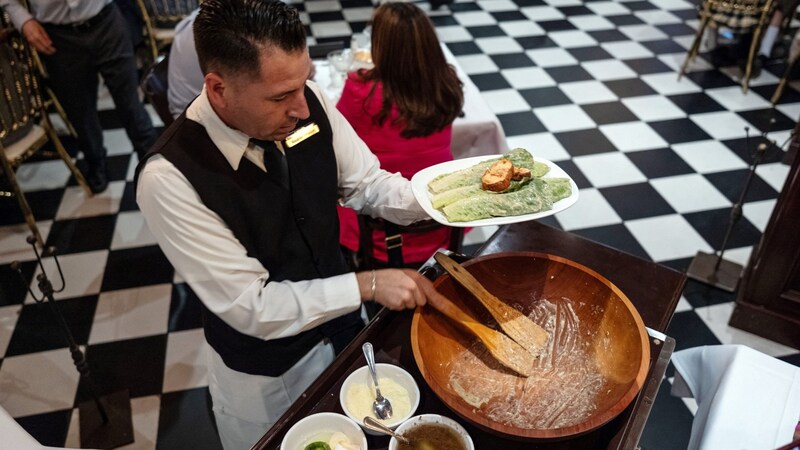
(24, 124)
(753, 16)
(160, 18)
(394, 241)
(154, 85)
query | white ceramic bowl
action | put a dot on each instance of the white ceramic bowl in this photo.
(321, 426)
(395, 373)
(433, 418)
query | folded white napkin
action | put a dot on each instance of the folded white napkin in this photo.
(746, 399)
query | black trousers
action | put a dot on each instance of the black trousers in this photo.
(82, 53)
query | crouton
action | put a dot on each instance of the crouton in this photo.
(519, 173)
(498, 177)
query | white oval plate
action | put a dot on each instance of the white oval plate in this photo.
(419, 185)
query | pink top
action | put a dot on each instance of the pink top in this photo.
(396, 154)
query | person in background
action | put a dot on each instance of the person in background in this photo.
(241, 194)
(403, 109)
(77, 41)
(184, 77)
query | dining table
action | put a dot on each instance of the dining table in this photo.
(477, 132)
(652, 288)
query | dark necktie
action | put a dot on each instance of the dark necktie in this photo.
(275, 162)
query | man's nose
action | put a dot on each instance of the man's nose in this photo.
(299, 108)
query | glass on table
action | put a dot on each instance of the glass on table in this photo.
(341, 61)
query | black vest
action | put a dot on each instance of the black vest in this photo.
(293, 233)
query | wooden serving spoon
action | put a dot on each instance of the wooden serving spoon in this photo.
(505, 350)
(519, 327)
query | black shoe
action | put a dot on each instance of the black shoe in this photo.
(758, 63)
(97, 178)
(436, 4)
(720, 56)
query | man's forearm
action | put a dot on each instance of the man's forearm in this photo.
(18, 13)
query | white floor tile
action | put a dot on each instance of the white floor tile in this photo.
(358, 14)
(672, 4)
(563, 118)
(38, 383)
(716, 318)
(572, 38)
(520, 28)
(723, 125)
(527, 77)
(651, 108)
(541, 13)
(474, 18)
(42, 175)
(739, 255)
(626, 50)
(609, 169)
(683, 305)
(656, 17)
(498, 45)
(690, 193)
(117, 142)
(633, 136)
(559, 3)
(591, 210)
(453, 33)
(8, 320)
(505, 101)
(675, 60)
(475, 64)
(668, 84)
(497, 5)
(154, 117)
(322, 6)
(83, 274)
(591, 23)
(607, 8)
(667, 237)
(185, 363)
(774, 174)
(13, 241)
(542, 145)
(709, 156)
(551, 57)
(759, 213)
(587, 92)
(131, 231)
(790, 109)
(75, 203)
(145, 413)
(331, 29)
(608, 69)
(640, 33)
(732, 99)
(131, 313)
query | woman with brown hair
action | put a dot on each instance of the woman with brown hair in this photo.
(403, 109)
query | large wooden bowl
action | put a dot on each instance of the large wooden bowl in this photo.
(595, 364)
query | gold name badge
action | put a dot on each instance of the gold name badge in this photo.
(301, 134)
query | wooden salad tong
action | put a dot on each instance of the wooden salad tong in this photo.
(519, 327)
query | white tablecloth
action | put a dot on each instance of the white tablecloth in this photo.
(478, 133)
(746, 399)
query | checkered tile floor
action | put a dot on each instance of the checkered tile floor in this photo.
(591, 85)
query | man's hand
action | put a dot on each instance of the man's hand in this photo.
(37, 37)
(395, 289)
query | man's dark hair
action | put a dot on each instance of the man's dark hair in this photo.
(230, 35)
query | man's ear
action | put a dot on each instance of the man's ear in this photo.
(215, 89)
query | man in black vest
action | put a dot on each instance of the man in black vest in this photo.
(241, 193)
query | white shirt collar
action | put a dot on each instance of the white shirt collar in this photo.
(230, 142)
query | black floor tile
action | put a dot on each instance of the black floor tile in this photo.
(669, 425)
(133, 364)
(636, 201)
(731, 184)
(639, 5)
(701, 295)
(12, 288)
(134, 267)
(696, 103)
(82, 235)
(186, 421)
(464, 48)
(768, 120)
(128, 201)
(644, 66)
(49, 429)
(575, 173)
(615, 236)
(44, 205)
(663, 46)
(484, 31)
(592, 53)
(610, 112)
(535, 42)
(556, 25)
(585, 142)
(602, 36)
(689, 330)
(525, 3)
(710, 79)
(546, 96)
(789, 95)
(508, 16)
(184, 309)
(659, 163)
(713, 224)
(625, 19)
(566, 74)
(325, 16)
(515, 124)
(676, 29)
(685, 14)
(575, 10)
(443, 21)
(747, 149)
(462, 7)
(631, 87)
(39, 329)
(118, 167)
(677, 131)
(512, 60)
(490, 81)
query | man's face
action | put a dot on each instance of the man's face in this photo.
(268, 107)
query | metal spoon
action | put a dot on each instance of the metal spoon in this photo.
(381, 405)
(373, 424)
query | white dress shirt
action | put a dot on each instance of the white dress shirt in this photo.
(184, 77)
(60, 12)
(207, 255)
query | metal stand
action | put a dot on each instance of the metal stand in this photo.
(105, 421)
(711, 268)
